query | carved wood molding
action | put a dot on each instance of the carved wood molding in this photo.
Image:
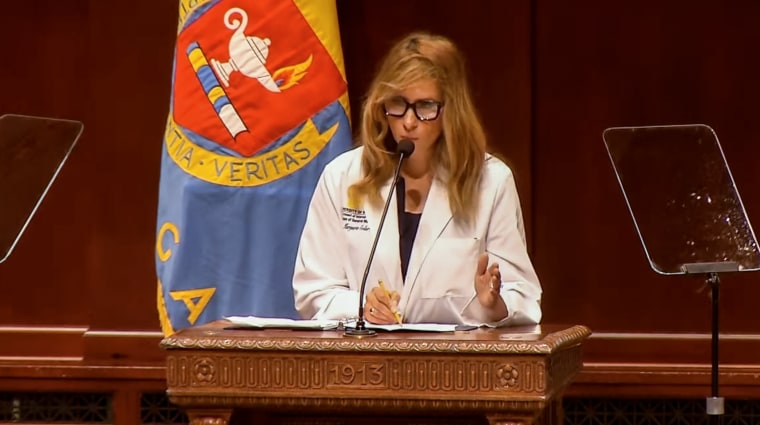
(348, 404)
(123, 345)
(315, 374)
(663, 380)
(212, 341)
(563, 367)
(39, 343)
(673, 348)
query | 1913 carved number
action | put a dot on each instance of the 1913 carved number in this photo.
(355, 374)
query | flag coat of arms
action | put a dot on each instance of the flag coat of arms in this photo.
(259, 105)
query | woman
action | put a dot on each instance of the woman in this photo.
(455, 208)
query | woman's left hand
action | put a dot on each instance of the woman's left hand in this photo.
(488, 287)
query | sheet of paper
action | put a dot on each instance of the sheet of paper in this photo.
(273, 322)
(255, 322)
(414, 327)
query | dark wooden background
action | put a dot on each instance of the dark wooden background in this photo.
(549, 76)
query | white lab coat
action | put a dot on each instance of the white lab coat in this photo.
(439, 287)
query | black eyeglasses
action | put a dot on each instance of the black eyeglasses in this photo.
(424, 110)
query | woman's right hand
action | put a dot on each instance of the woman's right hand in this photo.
(379, 307)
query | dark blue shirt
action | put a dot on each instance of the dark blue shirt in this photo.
(407, 226)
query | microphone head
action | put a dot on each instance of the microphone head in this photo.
(405, 147)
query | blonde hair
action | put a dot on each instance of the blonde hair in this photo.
(461, 150)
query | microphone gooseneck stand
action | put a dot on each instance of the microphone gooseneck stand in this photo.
(404, 148)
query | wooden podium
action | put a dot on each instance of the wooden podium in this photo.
(278, 376)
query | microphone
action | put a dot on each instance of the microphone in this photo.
(404, 148)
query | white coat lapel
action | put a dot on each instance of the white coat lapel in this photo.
(435, 217)
(386, 263)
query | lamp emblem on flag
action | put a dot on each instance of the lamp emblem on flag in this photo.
(264, 85)
(248, 54)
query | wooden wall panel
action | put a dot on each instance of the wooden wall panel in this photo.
(87, 257)
(44, 72)
(86, 260)
(131, 54)
(601, 64)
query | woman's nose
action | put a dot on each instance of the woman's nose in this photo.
(410, 119)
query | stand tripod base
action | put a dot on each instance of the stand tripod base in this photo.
(715, 406)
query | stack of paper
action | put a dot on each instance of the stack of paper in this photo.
(279, 323)
(413, 327)
(273, 322)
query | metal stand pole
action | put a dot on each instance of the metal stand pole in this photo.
(715, 404)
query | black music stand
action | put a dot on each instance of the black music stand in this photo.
(32, 152)
(686, 209)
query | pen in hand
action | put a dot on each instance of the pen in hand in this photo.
(396, 314)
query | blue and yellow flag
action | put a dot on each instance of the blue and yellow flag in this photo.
(259, 105)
